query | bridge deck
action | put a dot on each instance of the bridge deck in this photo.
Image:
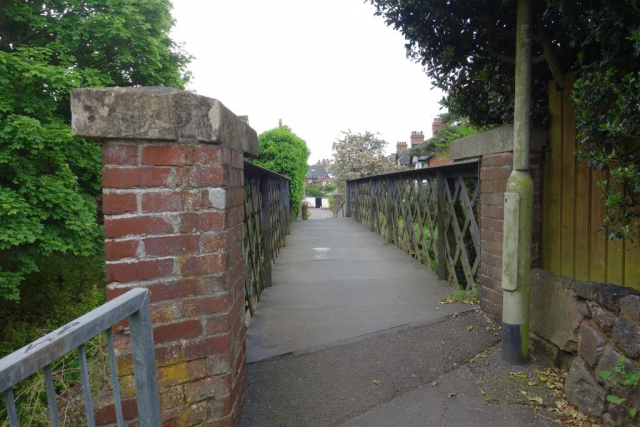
(352, 333)
(336, 280)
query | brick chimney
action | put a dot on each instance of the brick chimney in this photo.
(401, 147)
(417, 138)
(437, 125)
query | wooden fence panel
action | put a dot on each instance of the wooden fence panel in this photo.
(573, 210)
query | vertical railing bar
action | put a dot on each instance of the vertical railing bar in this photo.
(144, 366)
(11, 408)
(51, 396)
(86, 387)
(114, 377)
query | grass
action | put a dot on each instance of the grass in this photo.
(31, 395)
(472, 296)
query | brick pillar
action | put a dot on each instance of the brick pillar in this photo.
(494, 149)
(495, 170)
(173, 210)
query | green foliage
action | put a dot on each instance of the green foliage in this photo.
(313, 191)
(609, 122)
(472, 296)
(629, 380)
(64, 288)
(440, 142)
(284, 152)
(468, 50)
(329, 188)
(357, 155)
(31, 397)
(49, 181)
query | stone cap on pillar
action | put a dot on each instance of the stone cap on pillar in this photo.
(497, 140)
(158, 114)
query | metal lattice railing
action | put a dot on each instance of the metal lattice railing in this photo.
(429, 213)
(267, 219)
(41, 354)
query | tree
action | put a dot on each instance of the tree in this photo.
(284, 152)
(50, 181)
(357, 155)
(468, 50)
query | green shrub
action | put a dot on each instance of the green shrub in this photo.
(282, 151)
(66, 287)
(313, 192)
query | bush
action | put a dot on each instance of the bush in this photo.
(313, 192)
(283, 152)
(65, 288)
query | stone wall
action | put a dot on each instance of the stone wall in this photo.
(586, 327)
(495, 150)
(173, 211)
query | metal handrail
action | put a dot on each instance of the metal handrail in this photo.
(42, 353)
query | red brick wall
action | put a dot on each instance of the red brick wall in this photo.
(173, 224)
(495, 170)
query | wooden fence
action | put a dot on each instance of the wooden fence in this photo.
(267, 219)
(573, 209)
(429, 213)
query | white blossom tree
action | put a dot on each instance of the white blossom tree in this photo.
(357, 155)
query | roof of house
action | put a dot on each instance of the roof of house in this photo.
(404, 159)
(316, 173)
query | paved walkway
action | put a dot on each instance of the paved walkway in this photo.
(335, 280)
(315, 213)
(352, 333)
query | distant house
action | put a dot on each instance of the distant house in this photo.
(402, 157)
(317, 176)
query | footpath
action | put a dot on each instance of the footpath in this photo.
(352, 333)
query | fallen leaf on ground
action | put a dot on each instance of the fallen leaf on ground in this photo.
(435, 383)
(470, 328)
(450, 395)
(536, 399)
(519, 375)
(376, 382)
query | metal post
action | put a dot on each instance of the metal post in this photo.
(389, 212)
(144, 366)
(287, 206)
(347, 200)
(518, 207)
(282, 232)
(265, 184)
(442, 247)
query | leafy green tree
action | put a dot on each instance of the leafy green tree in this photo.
(50, 181)
(468, 49)
(360, 154)
(284, 152)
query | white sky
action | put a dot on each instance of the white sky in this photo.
(321, 66)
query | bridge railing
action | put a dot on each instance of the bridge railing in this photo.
(41, 354)
(431, 214)
(267, 220)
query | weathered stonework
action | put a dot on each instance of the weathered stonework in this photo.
(173, 197)
(626, 335)
(555, 310)
(583, 391)
(591, 344)
(605, 321)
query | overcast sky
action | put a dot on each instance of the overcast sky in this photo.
(322, 66)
